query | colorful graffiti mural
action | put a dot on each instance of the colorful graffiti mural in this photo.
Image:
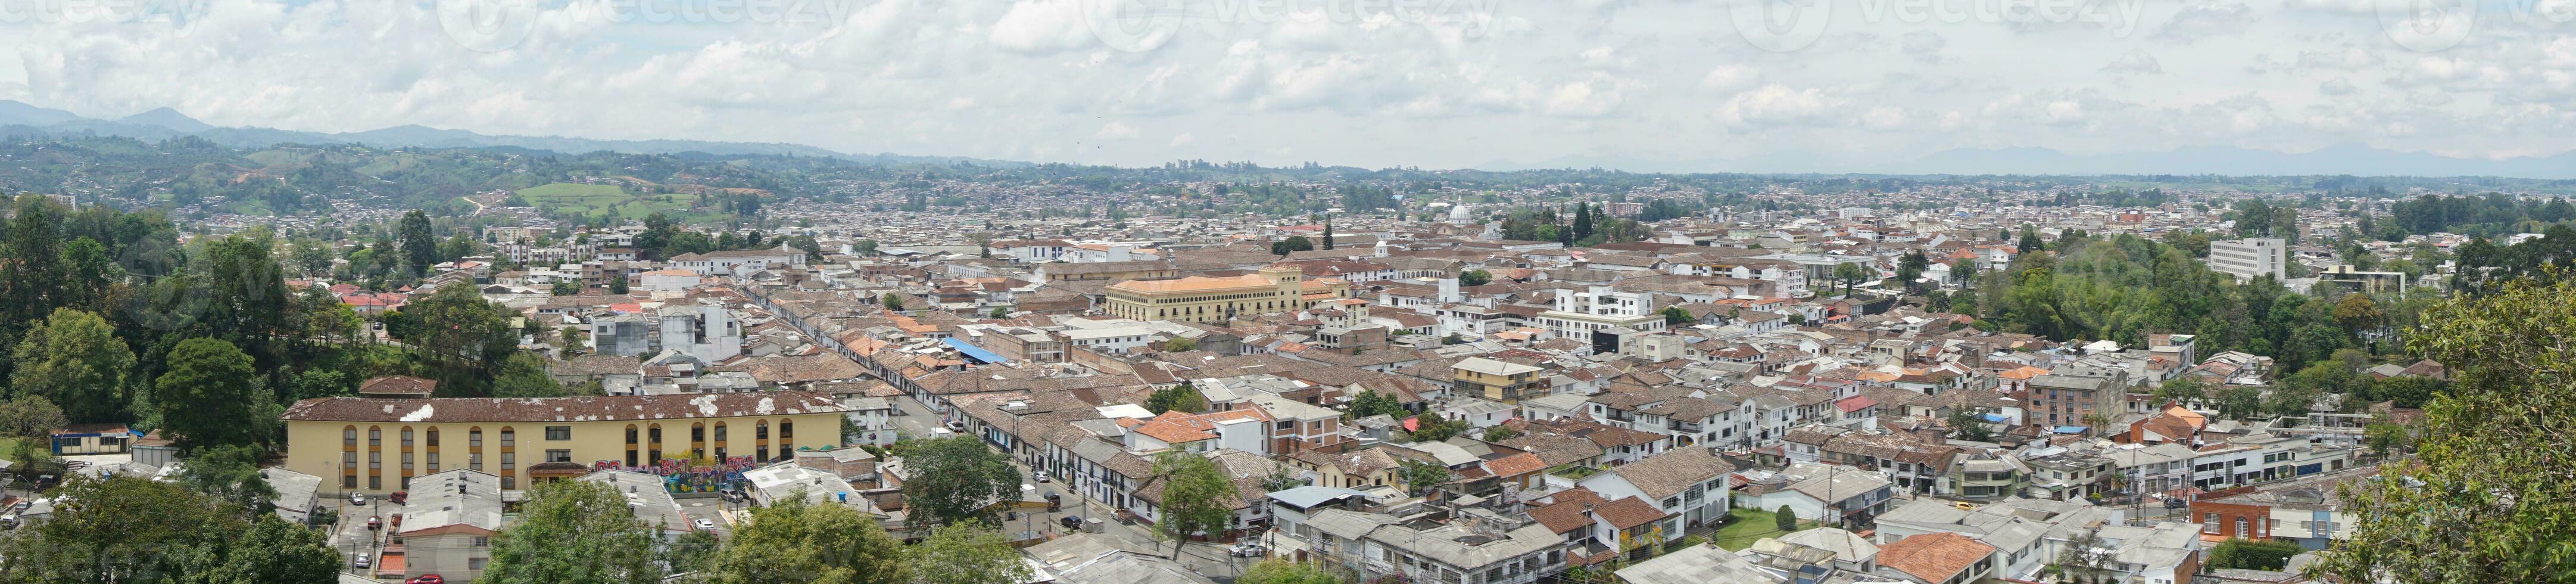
(688, 476)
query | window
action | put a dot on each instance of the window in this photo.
(433, 437)
(474, 461)
(760, 432)
(2240, 527)
(349, 437)
(786, 430)
(433, 462)
(564, 455)
(375, 437)
(476, 564)
(406, 461)
(630, 435)
(656, 434)
(509, 460)
(375, 460)
(474, 438)
(375, 482)
(559, 432)
(406, 437)
(349, 460)
(509, 437)
(482, 542)
(349, 482)
(720, 432)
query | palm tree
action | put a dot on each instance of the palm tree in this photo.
(2095, 423)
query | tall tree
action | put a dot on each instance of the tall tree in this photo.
(211, 397)
(1910, 267)
(131, 529)
(30, 266)
(2486, 498)
(458, 327)
(1179, 397)
(28, 419)
(1328, 232)
(419, 246)
(1421, 477)
(966, 553)
(75, 359)
(796, 540)
(1196, 498)
(1850, 275)
(1287, 572)
(574, 531)
(956, 479)
(230, 473)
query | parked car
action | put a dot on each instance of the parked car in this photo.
(362, 561)
(704, 524)
(1043, 477)
(375, 523)
(1071, 522)
(1244, 550)
(426, 579)
(357, 498)
(956, 425)
(2176, 503)
(399, 497)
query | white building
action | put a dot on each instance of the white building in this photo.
(708, 333)
(2250, 258)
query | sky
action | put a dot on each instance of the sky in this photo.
(1848, 85)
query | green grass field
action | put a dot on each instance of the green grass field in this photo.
(592, 200)
(1751, 525)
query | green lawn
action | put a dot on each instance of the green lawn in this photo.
(592, 200)
(1750, 525)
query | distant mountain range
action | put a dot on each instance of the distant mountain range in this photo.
(2351, 159)
(18, 118)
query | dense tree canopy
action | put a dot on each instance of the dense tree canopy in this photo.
(2487, 498)
(956, 479)
(574, 531)
(796, 540)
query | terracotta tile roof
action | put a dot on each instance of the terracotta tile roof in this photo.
(1564, 512)
(1628, 512)
(1515, 465)
(1933, 557)
(1668, 474)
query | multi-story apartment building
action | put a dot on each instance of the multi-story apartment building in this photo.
(1600, 317)
(2250, 258)
(1498, 380)
(2067, 395)
(379, 445)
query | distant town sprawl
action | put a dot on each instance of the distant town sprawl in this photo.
(409, 364)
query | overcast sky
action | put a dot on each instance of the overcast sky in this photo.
(1430, 83)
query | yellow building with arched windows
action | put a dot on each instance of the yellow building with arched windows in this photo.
(376, 445)
(1276, 288)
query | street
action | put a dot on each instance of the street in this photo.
(914, 420)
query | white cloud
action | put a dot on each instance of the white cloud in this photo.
(1525, 81)
(2136, 61)
(1777, 105)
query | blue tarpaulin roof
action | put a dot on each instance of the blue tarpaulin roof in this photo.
(973, 352)
(1995, 418)
(2070, 429)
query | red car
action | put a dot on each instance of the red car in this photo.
(375, 523)
(426, 579)
(399, 497)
